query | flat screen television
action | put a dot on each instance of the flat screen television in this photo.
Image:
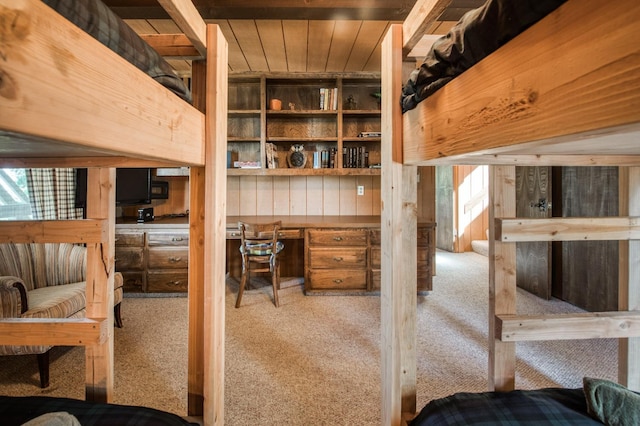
(133, 187)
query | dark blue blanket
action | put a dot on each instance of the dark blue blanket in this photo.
(549, 406)
(18, 410)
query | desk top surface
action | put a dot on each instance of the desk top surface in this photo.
(287, 221)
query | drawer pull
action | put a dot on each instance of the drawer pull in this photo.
(176, 283)
(337, 238)
(235, 234)
(337, 259)
(175, 259)
(177, 239)
(337, 281)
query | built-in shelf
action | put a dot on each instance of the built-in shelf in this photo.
(325, 113)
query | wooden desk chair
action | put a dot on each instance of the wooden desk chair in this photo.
(257, 242)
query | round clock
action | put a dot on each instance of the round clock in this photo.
(297, 157)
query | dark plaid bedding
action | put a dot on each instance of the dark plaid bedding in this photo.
(18, 410)
(521, 407)
(96, 19)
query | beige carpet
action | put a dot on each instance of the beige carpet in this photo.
(315, 360)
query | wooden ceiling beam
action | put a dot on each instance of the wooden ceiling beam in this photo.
(423, 14)
(188, 19)
(172, 46)
(274, 9)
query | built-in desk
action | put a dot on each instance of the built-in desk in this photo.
(334, 254)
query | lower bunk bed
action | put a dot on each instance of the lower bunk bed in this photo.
(598, 402)
(45, 410)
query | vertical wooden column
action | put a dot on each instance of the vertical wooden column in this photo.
(502, 277)
(215, 218)
(399, 252)
(197, 235)
(101, 201)
(629, 278)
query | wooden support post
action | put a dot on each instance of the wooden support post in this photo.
(215, 212)
(629, 281)
(502, 277)
(99, 291)
(398, 228)
(197, 194)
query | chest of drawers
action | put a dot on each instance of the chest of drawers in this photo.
(349, 260)
(336, 259)
(153, 260)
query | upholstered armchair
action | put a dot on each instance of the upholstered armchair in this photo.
(45, 281)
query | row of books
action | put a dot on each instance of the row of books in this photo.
(329, 99)
(352, 158)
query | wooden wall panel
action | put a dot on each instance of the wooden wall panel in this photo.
(281, 195)
(264, 194)
(233, 195)
(330, 203)
(444, 208)
(348, 195)
(248, 195)
(314, 195)
(298, 196)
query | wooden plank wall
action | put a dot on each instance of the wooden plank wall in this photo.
(303, 195)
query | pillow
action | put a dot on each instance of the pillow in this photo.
(611, 403)
(59, 418)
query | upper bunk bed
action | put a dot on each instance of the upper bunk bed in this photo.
(565, 91)
(62, 93)
(68, 100)
(568, 85)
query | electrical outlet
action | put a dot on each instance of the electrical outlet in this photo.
(360, 189)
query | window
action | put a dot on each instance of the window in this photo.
(14, 196)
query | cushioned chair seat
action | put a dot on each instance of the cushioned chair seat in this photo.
(262, 249)
(56, 301)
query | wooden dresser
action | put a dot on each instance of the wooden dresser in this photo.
(153, 257)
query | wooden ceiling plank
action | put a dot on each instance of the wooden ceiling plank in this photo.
(246, 34)
(375, 60)
(295, 41)
(344, 36)
(320, 33)
(272, 37)
(165, 26)
(365, 45)
(181, 67)
(237, 61)
(423, 14)
(188, 19)
(140, 26)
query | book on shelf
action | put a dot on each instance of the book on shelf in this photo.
(326, 159)
(329, 99)
(272, 156)
(355, 157)
(370, 135)
(246, 164)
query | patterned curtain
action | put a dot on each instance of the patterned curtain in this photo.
(52, 194)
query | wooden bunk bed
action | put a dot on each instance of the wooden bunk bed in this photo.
(66, 100)
(564, 92)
